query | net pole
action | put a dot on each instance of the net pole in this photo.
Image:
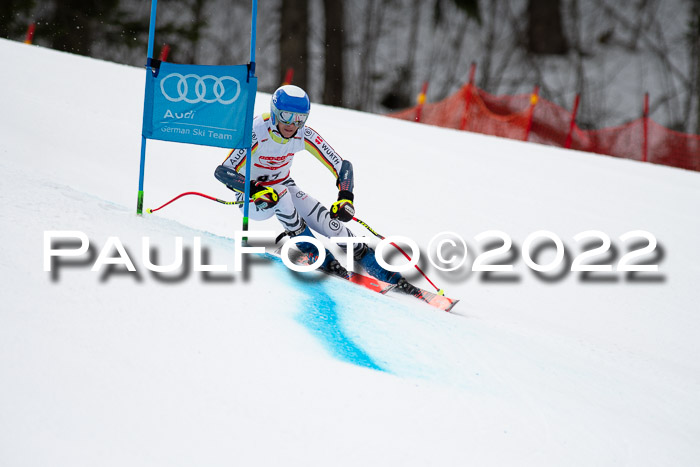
(645, 122)
(572, 123)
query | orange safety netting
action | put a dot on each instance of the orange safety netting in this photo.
(525, 117)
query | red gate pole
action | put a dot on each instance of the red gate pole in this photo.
(569, 137)
(468, 97)
(533, 102)
(164, 51)
(645, 122)
(30, 33)
(289, 75)
(421, 101)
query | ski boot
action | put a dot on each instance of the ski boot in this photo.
(365, 255)
(404, 286)
(330, 265)
(333, 266)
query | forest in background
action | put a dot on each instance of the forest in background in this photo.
(374, 55)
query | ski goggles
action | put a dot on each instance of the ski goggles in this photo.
(289, 118)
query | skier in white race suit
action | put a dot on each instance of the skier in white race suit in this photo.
(277, 137)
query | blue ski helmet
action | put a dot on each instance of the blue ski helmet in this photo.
(290, 104)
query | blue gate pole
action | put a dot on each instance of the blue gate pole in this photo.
(249, 153)
(142, 165)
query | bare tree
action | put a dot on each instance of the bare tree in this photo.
(75, 24)
(374, 15)
(194, 30)
(545, 29)
(334, 70)
(694, 65)
(293, 49)
(401, 90)
(450, 33)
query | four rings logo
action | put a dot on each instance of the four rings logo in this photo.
(221, 89)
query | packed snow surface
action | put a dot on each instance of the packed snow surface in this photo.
(269, 367)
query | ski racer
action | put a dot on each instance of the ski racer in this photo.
(277, 137)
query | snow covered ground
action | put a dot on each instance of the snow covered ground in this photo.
(268, 368)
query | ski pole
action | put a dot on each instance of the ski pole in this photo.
(193, 193)
(378, 235)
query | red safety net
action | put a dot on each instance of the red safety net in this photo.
(526, 117)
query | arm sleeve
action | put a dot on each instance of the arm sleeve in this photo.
(346, 178)
(231, 171)
(322, 151)
(230, 178)
(236, 159)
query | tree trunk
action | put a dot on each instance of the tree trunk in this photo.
(71, 27)
(335, 48)
(194, 32)
(293, 48)
(695, 62)
(545, 35)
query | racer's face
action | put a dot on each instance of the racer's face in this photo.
(287, 130)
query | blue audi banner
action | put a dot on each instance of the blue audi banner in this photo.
(200, 104)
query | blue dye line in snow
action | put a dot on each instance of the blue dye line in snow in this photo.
(320, 316)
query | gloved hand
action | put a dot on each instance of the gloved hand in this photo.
(263, 197)
(343, 209)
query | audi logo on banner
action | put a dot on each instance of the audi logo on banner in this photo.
(208, 88)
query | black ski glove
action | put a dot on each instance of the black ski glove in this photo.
(343, 209)
(263, 197)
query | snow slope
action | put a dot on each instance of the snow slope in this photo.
(268, 368)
